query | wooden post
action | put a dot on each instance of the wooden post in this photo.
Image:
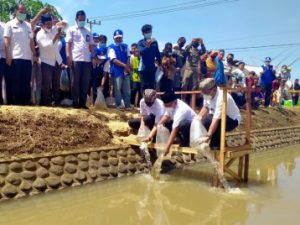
(241, 165)
(246, 168)
(248, 132)
(248, 115)
(223, 129)
(193, 103)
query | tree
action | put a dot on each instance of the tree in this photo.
(7, 8)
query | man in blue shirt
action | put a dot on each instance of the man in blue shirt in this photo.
(219, 76)
(149, 53)
(119, 56)
(266, 79)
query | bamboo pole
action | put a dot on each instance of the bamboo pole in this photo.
(223, 128)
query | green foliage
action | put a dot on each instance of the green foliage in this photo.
(7, 8)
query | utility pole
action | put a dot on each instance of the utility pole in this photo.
(93, 22)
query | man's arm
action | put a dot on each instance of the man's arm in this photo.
(119, 63)
(170, 141)
(157, 54)
(68, 52)
(203, 48)
(32, 47)
(7, 50)
(38, 16)
(187, 48)
(204, 111)
(213, 127)
(114, 60)
(142, 47)
(94, 59)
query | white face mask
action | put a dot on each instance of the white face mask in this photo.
(47, 30)
(169, 110)
(207, 97)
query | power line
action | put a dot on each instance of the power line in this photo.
(288, 55)
(255, 36)
(147, 10)
(157, 11)
(294, 61)
(263, 46)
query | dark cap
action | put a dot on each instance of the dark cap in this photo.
(168, 97)
(46, 18)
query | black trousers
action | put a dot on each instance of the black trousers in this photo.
(239, 98)
(166, 84)
(295, 100)
(216, 137)
(135, 89)
(18, 84)
(50, 84)
(136, 123)
(81, 75)
(97, 75)
(268, 94)
(183, 134)
(148, 80)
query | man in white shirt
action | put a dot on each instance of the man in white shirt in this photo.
(151, 110)
(80, 46)
(181, 116)
(2, 61)
(239, 80)
(211, 112)
(19, 50)
(47, 39)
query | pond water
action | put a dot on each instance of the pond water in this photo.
(272, 196)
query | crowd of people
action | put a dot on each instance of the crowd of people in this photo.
(45, 63)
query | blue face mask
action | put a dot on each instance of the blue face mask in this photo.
(81, 24)
(148, 36)
(21, 16)
(102, 45)
(118, 43)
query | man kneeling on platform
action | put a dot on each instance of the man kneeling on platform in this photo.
(151, 110)
(180, 115)
(211, 112)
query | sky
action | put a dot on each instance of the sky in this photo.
(243, 23)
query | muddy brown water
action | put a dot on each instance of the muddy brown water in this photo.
(272, 196)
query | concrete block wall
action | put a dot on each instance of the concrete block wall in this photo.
(26, 177)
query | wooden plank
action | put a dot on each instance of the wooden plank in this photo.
(182, 92)
(239, 148)
(238, 154)
(233, 174)
(229, 163)
(223, 128)
(244, 89)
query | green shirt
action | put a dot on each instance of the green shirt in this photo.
(135, 67)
